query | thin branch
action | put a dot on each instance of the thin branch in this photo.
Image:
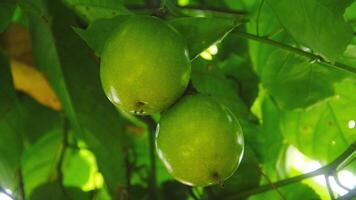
(3, 191)
(328, 185)
(337, 180)
(178, 10)
(151, 142)
(128, 168)
(348, 196)
(214, 10)
(286, 47)
(323, 170)
(346, 163)
(62, 153)
(21, 184)
(271, 183)
(258, 17)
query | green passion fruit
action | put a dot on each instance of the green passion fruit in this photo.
(145, 66)
(199, 141)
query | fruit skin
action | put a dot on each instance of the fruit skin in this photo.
(199, 141)
(145, 66)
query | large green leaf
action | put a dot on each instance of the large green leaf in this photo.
(19, 125)
(265, 24)
(7, 10)
(11, 129)
(350, 13)
(99, 31)
(92, 10)
(39, 162)
(317, 24)
(209, 30)
(295, 81)
(322, 131)
(295, 191)
(33, 124)
(200, 32)
(74, 76)
(238, 68)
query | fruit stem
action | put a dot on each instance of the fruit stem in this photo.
(327, 169)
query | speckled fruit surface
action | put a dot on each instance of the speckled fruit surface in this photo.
(199, 141)
(145, 66)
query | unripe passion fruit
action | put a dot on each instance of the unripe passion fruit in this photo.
(199, 141)
(145, 66)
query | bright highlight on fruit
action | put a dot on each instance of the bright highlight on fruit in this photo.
(145, 66)
(199, 141)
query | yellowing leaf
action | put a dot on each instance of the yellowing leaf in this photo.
(30, 81)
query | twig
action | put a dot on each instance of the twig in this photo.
(258, 17)
(61, 154)
(328, 185)
(271, 183)
(348, 196)
(178, 10)
(337, 180)
(21, 185)
(323, 170)
(3, 191)
(214, 10)
(151, 142)
(286, 47)
(128, 168)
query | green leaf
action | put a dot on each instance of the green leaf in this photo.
(317, 24)
(239, 69)
(74, 76)
(322, 131)
(99, 31)
(76, 168)
(18, 124)
(265, 24)
(34, 126)
(11, 129)
(272, 148)
(349, 56)
(92, 10)
(295, 191)
(209, 30)
(54, 191)
(7, 10)
(295, 81)
(211, 81)
(39, 161)
(200, 32)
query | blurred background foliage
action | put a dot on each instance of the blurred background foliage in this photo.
(286, 69)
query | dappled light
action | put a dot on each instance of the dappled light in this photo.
(177, 99)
